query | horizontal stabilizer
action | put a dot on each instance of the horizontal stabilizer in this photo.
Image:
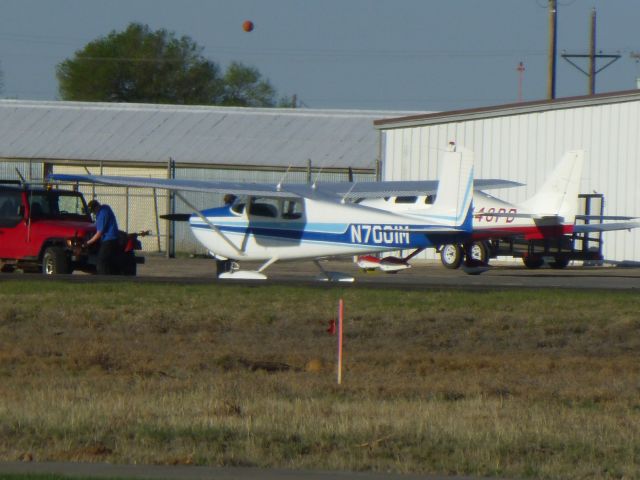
(602, 218)
(605, 227)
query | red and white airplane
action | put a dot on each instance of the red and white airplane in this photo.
(550, 213)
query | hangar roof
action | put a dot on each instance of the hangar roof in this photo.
(262, 137)
(416, 120)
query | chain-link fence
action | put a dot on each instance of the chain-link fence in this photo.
(139, 209)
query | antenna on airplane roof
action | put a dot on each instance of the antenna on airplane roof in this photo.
(317, 177)
(344, 198)
(279, 186)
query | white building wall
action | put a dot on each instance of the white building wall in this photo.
(526, 147)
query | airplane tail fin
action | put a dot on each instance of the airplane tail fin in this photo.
(452, 206)
(559, 193)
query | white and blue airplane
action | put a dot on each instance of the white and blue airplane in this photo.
(270, 223)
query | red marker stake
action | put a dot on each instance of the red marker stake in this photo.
(340, 323)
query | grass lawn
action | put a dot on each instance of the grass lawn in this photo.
(514, 383)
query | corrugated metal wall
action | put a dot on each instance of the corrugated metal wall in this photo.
(526, 147)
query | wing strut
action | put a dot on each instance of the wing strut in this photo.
(213, 227)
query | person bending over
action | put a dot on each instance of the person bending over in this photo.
(107, 235)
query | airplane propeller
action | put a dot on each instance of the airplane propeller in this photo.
(176, 217)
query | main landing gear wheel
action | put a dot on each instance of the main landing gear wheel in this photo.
(559, 263)
(476, 256)
(532, 261)
(478, 252)
(451, 256)
(223, 266)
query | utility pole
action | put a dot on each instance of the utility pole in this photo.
(520, 70)
(636, 57)
(592, 56)
(553, 42)
(592, 53)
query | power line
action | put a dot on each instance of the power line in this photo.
(592, 56)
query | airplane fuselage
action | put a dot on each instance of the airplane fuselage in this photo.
(486, 225)
(319, 227)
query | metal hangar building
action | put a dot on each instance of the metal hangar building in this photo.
(219, 143)
(524, 141)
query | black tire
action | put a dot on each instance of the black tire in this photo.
(478, 252)
(532, 261)
(451, 256)
(223, 266)
(55, 261)
(559, 263)
(129, 266)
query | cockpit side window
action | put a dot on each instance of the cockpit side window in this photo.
(407, 199)
(292, 209)
(263, 210)
(264, 207)
(286, 209)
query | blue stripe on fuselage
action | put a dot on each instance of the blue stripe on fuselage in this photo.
(369, 235)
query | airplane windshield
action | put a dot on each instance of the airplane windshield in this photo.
(271, 208)
(238, 208)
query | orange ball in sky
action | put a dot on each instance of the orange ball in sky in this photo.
(247, 25)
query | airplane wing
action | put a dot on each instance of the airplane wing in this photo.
(342, 190)
(209, 186)
(401, 188)
(605, 227)
(494, 183)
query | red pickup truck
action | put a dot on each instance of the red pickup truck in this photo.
(43, 230)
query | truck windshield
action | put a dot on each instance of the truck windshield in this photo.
(58, 204)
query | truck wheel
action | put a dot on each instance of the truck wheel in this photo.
(129, 265)
(451, 255)
(532, 261)
(559, 263)
(55, 261)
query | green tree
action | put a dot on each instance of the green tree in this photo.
(140, 65)
(244, 87)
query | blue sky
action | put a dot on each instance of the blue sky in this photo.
(354, 54)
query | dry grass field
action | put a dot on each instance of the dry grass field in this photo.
(518, 383)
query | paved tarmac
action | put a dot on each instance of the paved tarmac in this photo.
(199, 473)
(422, 274)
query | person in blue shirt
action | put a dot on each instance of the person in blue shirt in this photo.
(107, 235)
